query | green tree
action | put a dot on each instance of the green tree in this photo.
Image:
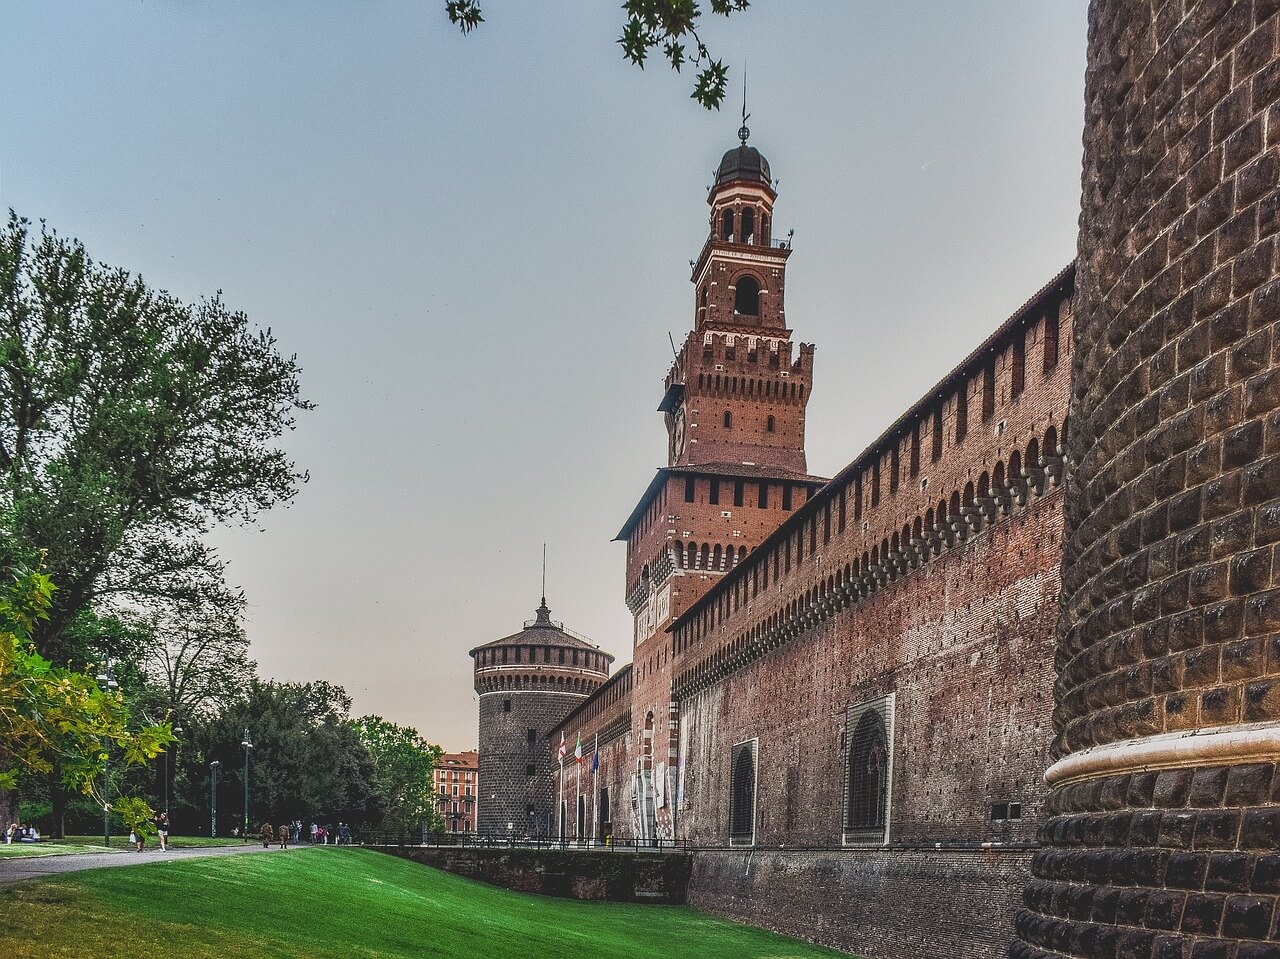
(130, 423)
(307, 759)
(54, 718)
(402, 765)
(667, 26)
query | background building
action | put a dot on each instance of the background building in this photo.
(456, 788)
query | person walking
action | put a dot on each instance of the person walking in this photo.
(282, 835)
(266, 835)
(162, 830)
(10, 833)
(314, 829)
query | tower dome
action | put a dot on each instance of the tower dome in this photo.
(743, 163)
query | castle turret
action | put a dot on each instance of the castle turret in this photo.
(528, 682)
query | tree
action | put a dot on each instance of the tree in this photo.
(52, 717)
(196, 656)
(307, 759)
(130, 422)
(668, 25)
(402, 765)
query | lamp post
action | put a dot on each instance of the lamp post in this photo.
(244, 836)
(213, 800)
(107, 677)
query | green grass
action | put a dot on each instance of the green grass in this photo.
(75, 844)
(21, 849)
(120, 841)
(340, 904)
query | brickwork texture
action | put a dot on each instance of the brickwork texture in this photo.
(1170, 601)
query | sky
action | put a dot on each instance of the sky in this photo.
(477, 247)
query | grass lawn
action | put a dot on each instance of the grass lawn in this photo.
(121, 840)
(43, 848)
(343, 903)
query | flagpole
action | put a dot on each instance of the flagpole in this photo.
(577, 798)
(560, 806)
(595, 765)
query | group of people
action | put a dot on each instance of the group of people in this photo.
(292, 833)
(16, 833)
(138, 839)
(324, 835)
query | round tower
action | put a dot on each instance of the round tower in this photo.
(528, 682)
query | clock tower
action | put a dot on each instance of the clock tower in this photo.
(734, 403)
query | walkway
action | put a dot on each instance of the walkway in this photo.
(19, 868)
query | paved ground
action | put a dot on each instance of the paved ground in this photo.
(15, 870)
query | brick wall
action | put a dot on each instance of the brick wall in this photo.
(515, 771)
(1162, 845)
(884, 904)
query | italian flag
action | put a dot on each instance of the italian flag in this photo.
(577, 750)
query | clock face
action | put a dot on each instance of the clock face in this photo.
(677, 436)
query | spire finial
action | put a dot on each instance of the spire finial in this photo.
(542, 616)
(743, 132)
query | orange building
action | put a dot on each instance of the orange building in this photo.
(456, 788)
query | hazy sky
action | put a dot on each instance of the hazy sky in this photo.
(477, 247)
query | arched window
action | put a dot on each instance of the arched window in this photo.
(748, 225)
(746, 299)
(726, 225)
(867, 776)
(769, 425)
(728, 420)
(742, 795)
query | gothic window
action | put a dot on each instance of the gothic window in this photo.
(742, 795)
(748, 225)
(728, 420)
(769, 425)
(746, 297)
(726, 225)
(868, 768)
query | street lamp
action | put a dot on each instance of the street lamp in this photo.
(244, 836)
(213, 800)
(107, 677)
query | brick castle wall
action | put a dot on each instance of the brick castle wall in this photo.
(1159, 845)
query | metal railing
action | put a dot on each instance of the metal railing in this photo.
(472, 840)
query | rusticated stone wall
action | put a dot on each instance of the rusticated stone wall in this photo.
(1160, 845)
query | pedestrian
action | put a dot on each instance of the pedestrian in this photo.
(314, 829)
(266, 835)
(345, 833)
(13, 831)
(139, 840)
(282, 835)
(162, 830)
